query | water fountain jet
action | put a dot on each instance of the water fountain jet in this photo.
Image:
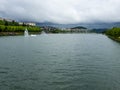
(26, 34)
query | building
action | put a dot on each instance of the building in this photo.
(20, 23)
(9, 20)
(30, 24)
(1, 18)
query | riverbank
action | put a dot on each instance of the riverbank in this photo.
(16, 33)
(10, 33)
(114, 38)
(114, 33)
(13, 28)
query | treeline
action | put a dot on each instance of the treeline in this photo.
(115, 32)
(6, 26)
(9, 23)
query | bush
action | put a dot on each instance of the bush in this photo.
(113, 32)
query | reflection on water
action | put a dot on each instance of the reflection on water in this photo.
(59, 62)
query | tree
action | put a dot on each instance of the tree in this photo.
(6, 23)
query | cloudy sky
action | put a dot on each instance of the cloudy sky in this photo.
(61, 11)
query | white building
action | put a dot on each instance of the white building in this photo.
(30, 24)
(1, 18)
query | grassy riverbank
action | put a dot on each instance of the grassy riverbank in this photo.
(18, 30)
(12, 28)
(114, 33)
(115, 38)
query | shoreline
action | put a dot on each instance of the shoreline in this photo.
(114, 38)
(11, 33)
(36, 33)
(16, 33)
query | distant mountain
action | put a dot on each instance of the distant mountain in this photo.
(79, 27)
(89, 26)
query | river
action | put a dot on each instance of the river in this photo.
(59, 62)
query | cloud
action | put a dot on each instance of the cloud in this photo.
(61, 11)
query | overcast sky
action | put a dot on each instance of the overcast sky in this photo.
(61, 11)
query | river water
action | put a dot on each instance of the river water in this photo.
(59, 62)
